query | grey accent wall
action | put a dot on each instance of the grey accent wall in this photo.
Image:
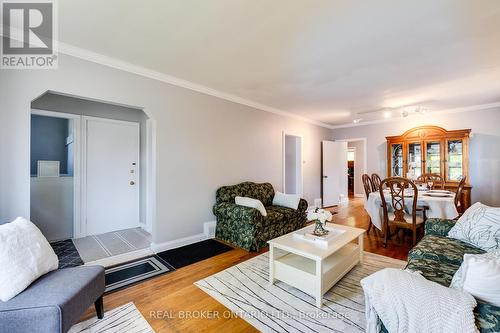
(48, 142)
(484, 146)
(202, 143)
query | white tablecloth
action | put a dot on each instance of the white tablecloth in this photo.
(439, 207)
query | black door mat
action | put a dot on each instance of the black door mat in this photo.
(67, 253)
(193, 253)
(126, 274)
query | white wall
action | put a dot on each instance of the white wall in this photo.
(293, 164)
(52, 206)
(203, 142)
(484, 146)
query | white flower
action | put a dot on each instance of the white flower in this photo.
(320, 215)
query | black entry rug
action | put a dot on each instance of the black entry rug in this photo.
(67, 253)
(127, 274)
(193, 253)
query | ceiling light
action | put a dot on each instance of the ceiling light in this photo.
(357, 120)
(420, 110)
(387, 114)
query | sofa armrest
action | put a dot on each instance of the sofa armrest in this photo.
(236, 212)
(438, 227)
(302, 206)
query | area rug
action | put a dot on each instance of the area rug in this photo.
(127, 274)
(190, 254)
(97, 247)
(125, 318)
(246, 291)
(67, 253)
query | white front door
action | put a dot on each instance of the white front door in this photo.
(334, 172)
(111, 176)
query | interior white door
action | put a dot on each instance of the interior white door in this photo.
(334, 172)
(111, 175)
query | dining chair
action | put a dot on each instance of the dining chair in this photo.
(458, 195)
(437, 180)
(401, 190)
(376, 180)
(368, 187)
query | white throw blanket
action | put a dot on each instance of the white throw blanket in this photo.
(407, 302)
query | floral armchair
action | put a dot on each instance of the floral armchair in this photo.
(246, 227)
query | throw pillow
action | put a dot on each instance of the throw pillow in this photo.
(252, 203)
(479, 226)
(25, 255)
(286, 200)
(479, 275)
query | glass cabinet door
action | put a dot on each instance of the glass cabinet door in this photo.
(414, 160)
(397, 160)
(454, 151)
(433, 157)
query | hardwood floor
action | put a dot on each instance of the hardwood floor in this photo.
(168, 300)
(354, 215)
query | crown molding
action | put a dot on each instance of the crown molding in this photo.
(104, 60)
(476, 107)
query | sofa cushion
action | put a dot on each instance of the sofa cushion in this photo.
(487, 317)
(434, 270)
(442, 249)
(287, 213)
(273, 216)
(263, 192)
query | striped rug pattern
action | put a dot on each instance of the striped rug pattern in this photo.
(245, 290)
(125, 318)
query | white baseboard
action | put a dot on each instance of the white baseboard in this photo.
(359, 195)
(208, 233)
(173, 244)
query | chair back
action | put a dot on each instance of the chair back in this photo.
(458, 194)
(376, 180)
(397, 187)
(437, 180)
(367, 184)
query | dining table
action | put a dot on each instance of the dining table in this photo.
(439, 203)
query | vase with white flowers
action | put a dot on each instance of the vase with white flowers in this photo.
(320, 217)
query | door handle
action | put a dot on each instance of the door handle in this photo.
(132, 183)
(325, 176)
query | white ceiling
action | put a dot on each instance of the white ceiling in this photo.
(330, 61)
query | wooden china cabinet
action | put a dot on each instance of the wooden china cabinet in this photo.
(431, 149)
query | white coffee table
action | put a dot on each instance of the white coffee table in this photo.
(312, 268)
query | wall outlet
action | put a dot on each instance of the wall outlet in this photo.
(209, 229)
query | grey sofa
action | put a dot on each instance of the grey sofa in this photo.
(54, 302)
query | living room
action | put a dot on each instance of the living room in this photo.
(212, 100)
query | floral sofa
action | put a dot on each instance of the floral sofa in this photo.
(438, 257)
(246, 227)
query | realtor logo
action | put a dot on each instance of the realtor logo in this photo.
(28, 35)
